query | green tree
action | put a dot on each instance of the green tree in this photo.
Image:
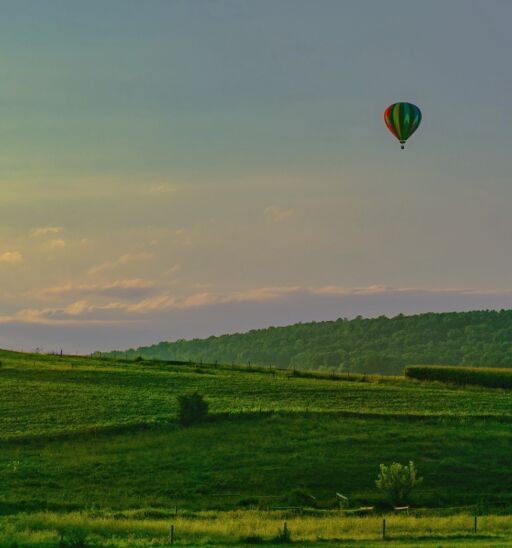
(192, 408)
(397, 481)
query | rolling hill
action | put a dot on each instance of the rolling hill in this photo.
(377, 345)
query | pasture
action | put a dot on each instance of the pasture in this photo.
(95, 439)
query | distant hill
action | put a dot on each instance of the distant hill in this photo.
(377, 345)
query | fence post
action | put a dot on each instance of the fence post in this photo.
(384, 529)
(476, 524)
(171, 535)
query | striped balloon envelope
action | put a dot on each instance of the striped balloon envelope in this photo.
(402, 120)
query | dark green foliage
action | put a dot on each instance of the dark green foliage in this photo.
(378, 345)
(73, 537)
(252, 539)
(192, 408)
(249, 502)
(300, 497)
(489, 377)
(283, 536)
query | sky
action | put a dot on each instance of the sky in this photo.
(181, 168)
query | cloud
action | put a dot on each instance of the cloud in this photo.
(11, 257)
(127, 289)
(83, 310)
(45, 231)
(78, 312)
(205, 313)
(166, 302)
(120, 261)
(162, 189)
(276, 214)
(55, 243)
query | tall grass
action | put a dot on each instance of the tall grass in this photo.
(229, 527)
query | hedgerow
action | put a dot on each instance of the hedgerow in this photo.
(489, 377)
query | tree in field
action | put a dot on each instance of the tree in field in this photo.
(397, 481)
(192, 408)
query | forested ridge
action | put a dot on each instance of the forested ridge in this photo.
(370, 345)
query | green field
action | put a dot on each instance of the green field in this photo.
(99, 437)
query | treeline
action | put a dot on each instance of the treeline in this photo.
(377, 345)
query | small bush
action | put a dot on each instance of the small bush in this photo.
(283, 536)
(397, 481)
(252, 539)
(73, 537)
(249, 502)
(299, 497)
(192, 408)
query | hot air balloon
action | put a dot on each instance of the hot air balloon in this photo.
(402, 120)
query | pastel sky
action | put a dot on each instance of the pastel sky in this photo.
(184, 168)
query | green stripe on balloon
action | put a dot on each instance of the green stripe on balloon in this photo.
(396, 120)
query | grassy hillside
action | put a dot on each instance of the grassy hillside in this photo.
(100, 436)
(380, 345)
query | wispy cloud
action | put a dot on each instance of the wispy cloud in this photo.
(162, 189)
(54, 243)
(11, 257)
(46, 231)
(120, 261)
(79, 312)
(127, 289)
(276, 214)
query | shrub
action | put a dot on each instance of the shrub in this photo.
(397, 481)
(248, 502)
(192, 408)
(252, 539)
(483, 376)
(283, 536)
(299, 497)
(73, 537)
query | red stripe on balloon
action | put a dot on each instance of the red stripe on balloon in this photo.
(388, 119)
